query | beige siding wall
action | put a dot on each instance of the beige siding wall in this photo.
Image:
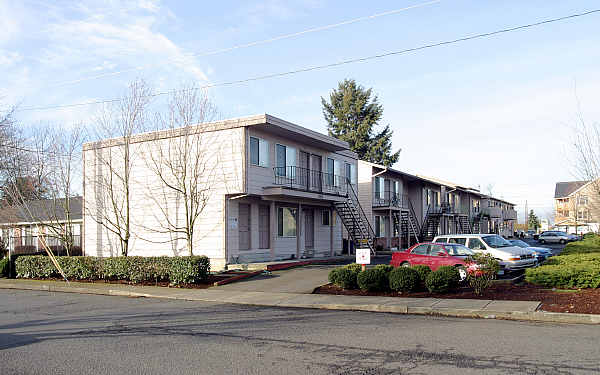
(151, 201)
(365, 189)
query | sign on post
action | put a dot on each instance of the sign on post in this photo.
(363, 256)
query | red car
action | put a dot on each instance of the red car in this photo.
(435, 255)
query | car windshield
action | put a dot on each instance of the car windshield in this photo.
(495, 241)
(519, 243)
(458, 250)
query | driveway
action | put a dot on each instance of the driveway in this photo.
(295, 280)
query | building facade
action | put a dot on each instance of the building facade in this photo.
(576, 206)
(277, 191)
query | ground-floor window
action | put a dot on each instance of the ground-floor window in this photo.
(286, 221)
(379, 226)
(326, 218)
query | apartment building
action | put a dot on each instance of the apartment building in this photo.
(404, 209)
(278, 191)
(576, 206)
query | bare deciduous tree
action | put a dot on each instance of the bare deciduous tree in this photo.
(120, 121)
(184, 165)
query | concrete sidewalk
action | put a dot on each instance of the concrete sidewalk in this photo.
(513, 310)
(296, 280)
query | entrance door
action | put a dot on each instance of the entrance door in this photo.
(316, 182)
(304, 171)
(244, 226)
(264, 223)
(309, 228)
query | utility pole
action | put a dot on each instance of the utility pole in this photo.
(526, 213)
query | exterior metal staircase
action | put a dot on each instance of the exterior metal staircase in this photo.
(354, 219)
(463, 226)
(431, 224)
(476, 224)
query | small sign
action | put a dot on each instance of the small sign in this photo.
(233, 223)
(363, 256)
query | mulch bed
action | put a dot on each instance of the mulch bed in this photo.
(583, 301)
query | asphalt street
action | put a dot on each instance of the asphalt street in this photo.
(61, 333)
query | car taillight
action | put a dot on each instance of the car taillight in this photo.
(517, 258)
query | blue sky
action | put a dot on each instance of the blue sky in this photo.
(493, 111)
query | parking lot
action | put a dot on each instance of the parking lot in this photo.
(555, 247)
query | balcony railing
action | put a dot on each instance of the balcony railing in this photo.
(309, 180)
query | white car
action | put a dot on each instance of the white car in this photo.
(554, 236)
(511, 258)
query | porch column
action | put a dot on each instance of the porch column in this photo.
(299, 231)
(331, 232)
(273, 230)
(388, 240)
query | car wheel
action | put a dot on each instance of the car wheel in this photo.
(404, 264)
(562, 242)
(462, 272)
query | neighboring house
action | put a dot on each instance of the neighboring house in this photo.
(404, 209)
(284, 192)
(24, 226)
(576, 207)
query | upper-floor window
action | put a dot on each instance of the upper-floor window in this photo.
(396, 187)
(351, 173)
(583, 200)
(334, 172)
(285, 160)
(259, 152)
(379, 187)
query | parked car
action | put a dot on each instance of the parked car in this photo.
(540, 253)
(434, 255)
(511, 258)
(555, 236)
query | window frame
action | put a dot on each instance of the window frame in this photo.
(262, 160)
(326, 216)
(281, 230)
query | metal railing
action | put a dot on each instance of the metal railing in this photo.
(309, 180)
(33, 242)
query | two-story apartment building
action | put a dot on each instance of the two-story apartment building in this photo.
(576, 206)
(498, 216)
(281, 191)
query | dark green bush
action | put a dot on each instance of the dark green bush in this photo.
(4, 267)
(422, 271)
(334, 275)
(372, 280)
(385, 268)
(354, 267)
(404, 279)
(585, 275)
(443, 280)
(176, 270)
(452, 274)
(346, 279)
(591, 244)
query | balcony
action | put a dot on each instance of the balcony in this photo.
(33, 244)
(303, 179)
(494, 212)
(509, 215)
(390, 199)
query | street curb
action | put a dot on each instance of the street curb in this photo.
(533, 316)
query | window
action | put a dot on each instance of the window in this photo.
(286, 221)
(379, 226)
(435, 249)
(461, 241)
(476, 244)
(583, 200)
(442, 240)
(420, 250)
(325, 220)
(285, 161)
(379, 187)
(259, 152)
(351, 173)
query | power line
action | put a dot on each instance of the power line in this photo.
(339, 63)
(255, 43)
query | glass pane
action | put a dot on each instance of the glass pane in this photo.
(263, 153)
(280, 159)
(330, 170)
(289, 222)
(254, 151)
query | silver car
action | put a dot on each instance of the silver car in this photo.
(554, 236)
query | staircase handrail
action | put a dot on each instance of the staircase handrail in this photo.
(352, 194)
(413, 214)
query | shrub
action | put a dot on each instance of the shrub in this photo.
(333, 275)
(354, 267)
(591, 244)
(422, 271)
(177, 270)
(452, 274)
(385, 268)
(443, 280)
(569, 275)
(486, 270)
(404, 279)
(4, 267)
(346, 279)
(372, 280)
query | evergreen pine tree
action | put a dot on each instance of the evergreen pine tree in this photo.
(352, 116)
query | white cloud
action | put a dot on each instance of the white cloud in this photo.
(9, 58)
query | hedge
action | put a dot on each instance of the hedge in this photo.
(4, 267)
(176, 270)
(404, 279)
(590, 244)
(373, 280)
(443, 280)
(577, 270)
(422, 271)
